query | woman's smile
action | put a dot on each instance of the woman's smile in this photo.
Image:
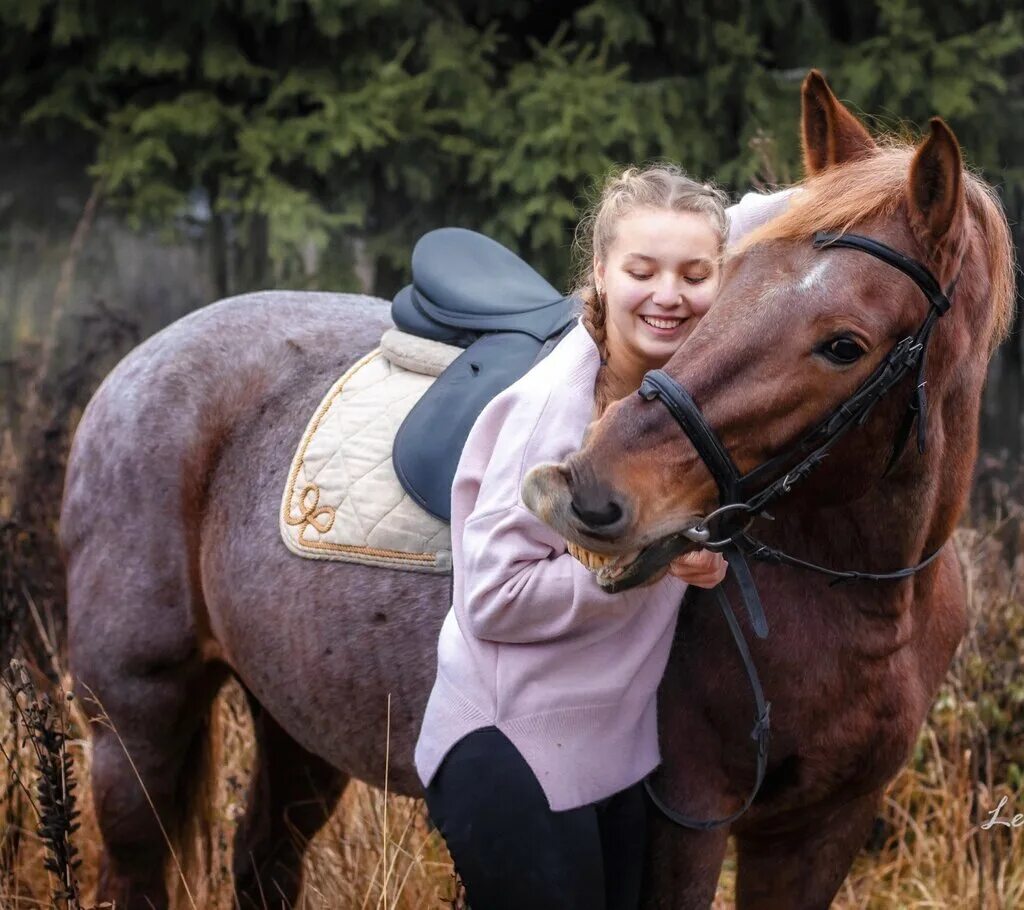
(663, 326)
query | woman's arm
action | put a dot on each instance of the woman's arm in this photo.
(754, 209)
(523, 586)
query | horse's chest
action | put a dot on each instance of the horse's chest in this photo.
(855, 731)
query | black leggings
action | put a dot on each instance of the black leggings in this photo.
(512, 852)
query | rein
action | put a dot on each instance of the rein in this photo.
(743, 497)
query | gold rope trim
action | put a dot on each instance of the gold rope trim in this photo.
(310, 514)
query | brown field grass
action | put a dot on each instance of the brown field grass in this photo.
(375, 853)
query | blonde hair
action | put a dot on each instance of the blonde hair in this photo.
(656, 186)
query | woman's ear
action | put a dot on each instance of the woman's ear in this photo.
(598, 271)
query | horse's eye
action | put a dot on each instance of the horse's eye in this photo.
(842, 350)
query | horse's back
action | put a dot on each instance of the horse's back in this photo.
(200, 373)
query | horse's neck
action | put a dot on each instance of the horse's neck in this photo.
(892, 526)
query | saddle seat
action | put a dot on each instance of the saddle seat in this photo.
(465, 284)
(469, 291)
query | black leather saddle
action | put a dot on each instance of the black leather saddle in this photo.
(470, 291)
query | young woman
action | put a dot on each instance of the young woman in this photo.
(541, 724)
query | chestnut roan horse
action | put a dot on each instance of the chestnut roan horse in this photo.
(177, 576)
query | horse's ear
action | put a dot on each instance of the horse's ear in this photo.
(936, 189)
(831, 134)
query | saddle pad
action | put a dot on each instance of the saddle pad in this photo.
(342, 499)
(421, 355)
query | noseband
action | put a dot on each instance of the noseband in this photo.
(743, 497)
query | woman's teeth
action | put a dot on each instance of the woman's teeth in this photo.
(662, 323)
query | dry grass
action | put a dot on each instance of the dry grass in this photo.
(375, 854)
(372, 854)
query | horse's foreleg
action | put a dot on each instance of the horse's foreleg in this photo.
(683, 865)
(292, 795)
(802, 868)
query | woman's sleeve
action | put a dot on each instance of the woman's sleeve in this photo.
(754, 209)
(540, 593)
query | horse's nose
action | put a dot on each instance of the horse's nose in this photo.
(596, 507)
(599, 514)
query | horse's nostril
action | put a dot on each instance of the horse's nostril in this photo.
(601, 517)
(595, 505)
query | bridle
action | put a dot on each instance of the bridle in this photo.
(743, 497)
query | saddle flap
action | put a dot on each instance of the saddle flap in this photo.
(430, 440)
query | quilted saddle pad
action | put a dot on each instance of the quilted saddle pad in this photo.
(342, 499)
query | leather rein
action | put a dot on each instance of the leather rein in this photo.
(743, 497)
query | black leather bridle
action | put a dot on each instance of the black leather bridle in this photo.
(743, 497)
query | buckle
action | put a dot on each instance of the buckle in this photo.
(902, 346)
(913, 353)
(701, 533)
(763, 723)
(906, 351)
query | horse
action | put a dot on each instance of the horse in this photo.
(177, 578)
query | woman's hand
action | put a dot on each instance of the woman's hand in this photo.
(701, 568)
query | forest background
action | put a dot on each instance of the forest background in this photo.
(155, 157)
(309, 144)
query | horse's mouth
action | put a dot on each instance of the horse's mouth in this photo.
(606, 568)
(620, 573)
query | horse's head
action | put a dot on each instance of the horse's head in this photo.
(794, 332)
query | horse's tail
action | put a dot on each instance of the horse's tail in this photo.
(191, 872)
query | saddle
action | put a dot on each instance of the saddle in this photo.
(470, 291)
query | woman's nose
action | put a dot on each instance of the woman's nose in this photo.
(669, 294)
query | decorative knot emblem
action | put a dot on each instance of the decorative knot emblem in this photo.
(311, 512)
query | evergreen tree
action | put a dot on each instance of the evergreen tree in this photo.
(326, 126)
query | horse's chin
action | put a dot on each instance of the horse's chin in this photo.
(639, 567)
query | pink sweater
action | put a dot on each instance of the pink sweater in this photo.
(531, 644)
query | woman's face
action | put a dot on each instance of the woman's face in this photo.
(659, 277)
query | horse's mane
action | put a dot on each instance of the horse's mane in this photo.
(839, 198)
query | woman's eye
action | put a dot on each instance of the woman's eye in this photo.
(697, 279)
(639, 276)
(842, 350)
